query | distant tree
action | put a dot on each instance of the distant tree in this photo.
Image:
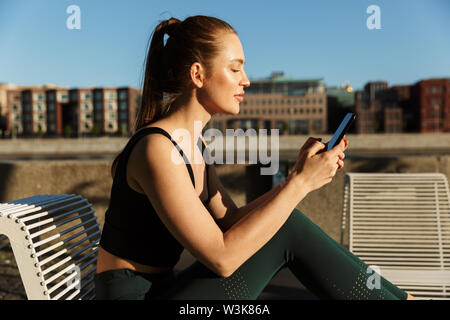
(122, 130)
(68, 131)
(376, 126)
(40, 132)
(95, 131)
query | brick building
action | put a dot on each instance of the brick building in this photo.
(431, 98)
(421, 107)
(71, 112)
(290, 105)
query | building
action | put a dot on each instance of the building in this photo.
(431, 99)
(11, 107)
(293, 106)
(421, 107)
(369, 118)
(77, 112)
(340, 101)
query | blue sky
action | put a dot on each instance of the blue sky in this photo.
(305, 39)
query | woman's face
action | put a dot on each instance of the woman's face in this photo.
(225, 80)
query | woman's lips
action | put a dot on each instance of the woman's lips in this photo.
(239, 97)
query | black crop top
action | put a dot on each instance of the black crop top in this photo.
(132, 228)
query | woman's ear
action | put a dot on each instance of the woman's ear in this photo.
(197, 74)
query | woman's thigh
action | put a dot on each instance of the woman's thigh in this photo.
(247, 282)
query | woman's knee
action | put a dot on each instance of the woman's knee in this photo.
(299, 222)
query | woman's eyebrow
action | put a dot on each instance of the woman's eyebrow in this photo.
(238, 60)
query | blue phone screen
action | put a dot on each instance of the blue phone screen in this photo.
(339, 130)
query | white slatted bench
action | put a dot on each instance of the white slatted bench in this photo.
(54, 239)
(401, 223)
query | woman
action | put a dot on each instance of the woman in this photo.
(157, 207)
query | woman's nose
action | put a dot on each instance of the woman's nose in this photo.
(245, 82)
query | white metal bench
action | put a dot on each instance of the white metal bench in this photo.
(54, 239)
(401, 223)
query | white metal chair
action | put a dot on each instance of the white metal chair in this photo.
(401, 223)
(54, 239)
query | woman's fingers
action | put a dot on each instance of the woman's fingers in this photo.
(316, 147)
(309, 143)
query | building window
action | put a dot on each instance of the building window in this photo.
(317, 125)
(98, 95)
(298, 127)
(38, 107)
(74, 95)
(15, 107)
(86, 96)
(112, 115)
(123, 95)
(314, 100)
(123, 105)
(320, 101)
(123, 115)
(112, 95)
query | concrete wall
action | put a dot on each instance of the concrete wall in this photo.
(390, 143)
(92, 179)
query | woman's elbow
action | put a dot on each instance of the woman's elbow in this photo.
(225, 269)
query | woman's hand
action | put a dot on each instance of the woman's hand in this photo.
(312, 170)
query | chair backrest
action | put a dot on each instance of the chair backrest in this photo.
(54, 239)
(401, 223)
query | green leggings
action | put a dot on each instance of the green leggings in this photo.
(321, 264)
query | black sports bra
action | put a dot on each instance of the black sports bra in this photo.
(132, 228)
(201, 146)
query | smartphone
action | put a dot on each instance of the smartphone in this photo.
(340, 132)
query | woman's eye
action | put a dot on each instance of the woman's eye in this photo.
(234, 70)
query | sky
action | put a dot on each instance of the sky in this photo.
(304, 39)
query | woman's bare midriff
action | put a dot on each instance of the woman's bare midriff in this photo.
(107, 261)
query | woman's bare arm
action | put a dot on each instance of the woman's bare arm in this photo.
(170, 191)
(232, 217)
